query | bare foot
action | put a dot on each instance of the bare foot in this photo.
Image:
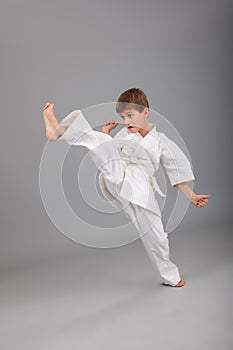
(53, 128)
(180, 284)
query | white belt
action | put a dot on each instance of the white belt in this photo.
(139, 161)
(156, 186)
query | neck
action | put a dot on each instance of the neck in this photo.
(146, 130)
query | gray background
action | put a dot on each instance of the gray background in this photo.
(81, 53)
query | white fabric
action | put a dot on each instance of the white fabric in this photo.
(127, 163)
(156, 243)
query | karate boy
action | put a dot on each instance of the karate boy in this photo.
(127, 163)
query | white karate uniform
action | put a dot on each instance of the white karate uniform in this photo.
(127, 163)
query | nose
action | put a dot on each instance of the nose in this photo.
(126, 120)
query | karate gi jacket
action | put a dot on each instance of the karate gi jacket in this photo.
(140, 156)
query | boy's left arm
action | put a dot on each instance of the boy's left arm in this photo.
(178, 169)
(199, 200)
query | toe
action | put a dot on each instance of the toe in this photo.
(46, 106)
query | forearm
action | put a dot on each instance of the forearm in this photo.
(185, 189)
(199, 200)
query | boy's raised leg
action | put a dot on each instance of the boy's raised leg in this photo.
(53, 128)
(75, 130)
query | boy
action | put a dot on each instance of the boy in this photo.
(127, 163)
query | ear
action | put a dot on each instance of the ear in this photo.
(146, 112)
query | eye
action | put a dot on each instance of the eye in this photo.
(122, 117)
(130, 115)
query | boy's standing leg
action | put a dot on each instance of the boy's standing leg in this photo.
(155, 240)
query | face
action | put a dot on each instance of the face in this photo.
(134, 120)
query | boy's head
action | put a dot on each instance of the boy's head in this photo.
(133, 107)
(133, 98)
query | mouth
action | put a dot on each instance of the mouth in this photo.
(130, 127)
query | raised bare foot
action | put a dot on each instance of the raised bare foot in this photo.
(180, 284)
(53, 128)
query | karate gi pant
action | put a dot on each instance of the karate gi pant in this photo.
(105, 156)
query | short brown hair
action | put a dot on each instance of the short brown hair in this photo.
(133, 98)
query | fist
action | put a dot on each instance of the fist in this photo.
(200, 200)
(109, 126)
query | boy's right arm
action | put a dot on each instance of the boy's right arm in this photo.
(109, 126)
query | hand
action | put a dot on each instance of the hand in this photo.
(109, 126)
(200, 200)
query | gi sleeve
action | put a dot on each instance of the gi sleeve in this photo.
(174, 162)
